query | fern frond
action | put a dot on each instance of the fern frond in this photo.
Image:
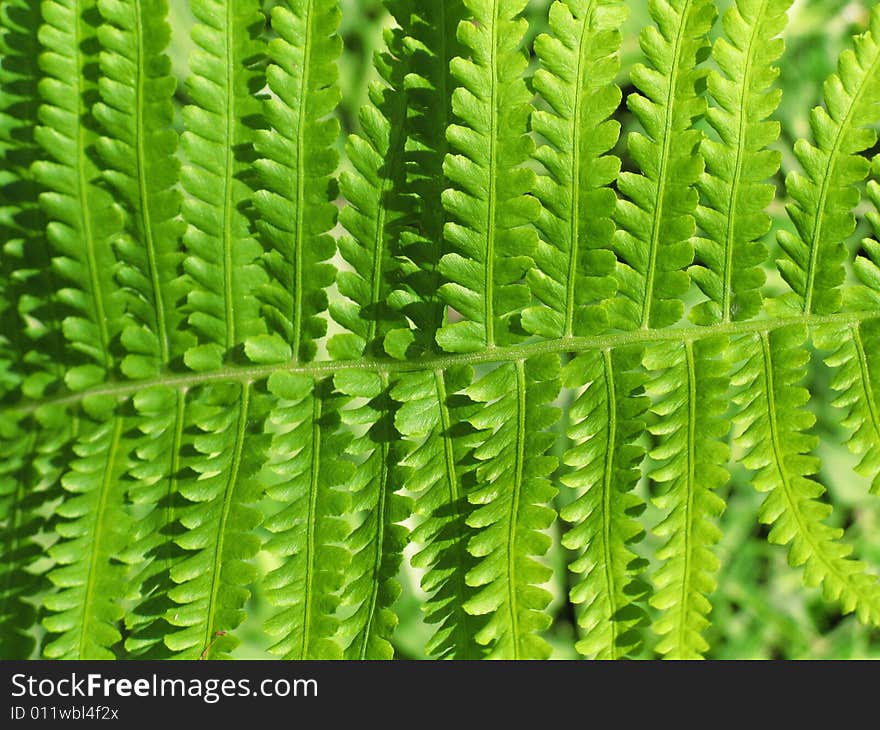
(300, 151)
(656, 218)
(733, 190)
(30, 340)
(297, 161)
(489, 205)
(223, 451)
(373, 214)
(574, 260)
(854, 351)
(177, 429)
(82, 215)
(30, 318)
(19, 521)
(429, 44)
(373, 217)
(29, 480)
(378, 540)
(435, 470)
(309, 531)
(814, 261)
(606, 421)
(690, 400)
(154, 478)
(867, 261)
(856, 378)
(83, 613)
(511, 497)
(223, 441)
(139, 147)
(772, 427)
(218, 148)
(432, 464)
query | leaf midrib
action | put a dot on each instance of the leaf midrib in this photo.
(509, 353)
(312, 523)
(607, 489)
(511, 545)
(84, 185)
(300, 185)
(379, 554)
(489, 269)
(690, 486)
(143, 190)
(491, 202)
(576, 176)
(229, 174)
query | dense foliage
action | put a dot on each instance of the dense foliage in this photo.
(525, 350)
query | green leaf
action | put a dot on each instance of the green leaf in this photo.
(511, 499)
(574, 261)
(378, 538)
(306, 482)
(434, 469)
(814, 261)
(222, 273)
(690, 385)
(82, 215)
(83, 611)
(30, 315)
(212, 420)
(297, 160)
(606, 420)
(734, 194)
(263, 349)
(154, 478)
(375, 214)
(488, 204)
(654, 242)
(772, 428)
(857, 381)
(139, 147)
(429, 45)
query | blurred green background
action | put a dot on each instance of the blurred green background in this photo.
(761, 609)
